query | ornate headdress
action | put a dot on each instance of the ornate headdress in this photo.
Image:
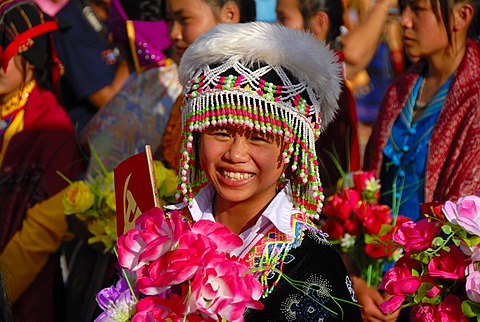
(146, 39)
(262, 76)
(26, 29)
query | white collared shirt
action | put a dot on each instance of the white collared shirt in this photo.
(278, 213)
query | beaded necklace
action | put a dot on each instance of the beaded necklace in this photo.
(16, 102)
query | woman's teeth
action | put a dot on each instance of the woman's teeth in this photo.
(236, 175)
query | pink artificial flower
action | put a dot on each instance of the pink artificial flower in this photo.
(400, 221)
(225, 240)
(465, 213)
(399, 282)
(424, 313)
(392, 304)
(473, 252)
(472, 286)
(154, 309)
(434, 287)
(450, 265)
(416, 236)
(153, 236)
(450, 310)
(224, 289)
(174, 267)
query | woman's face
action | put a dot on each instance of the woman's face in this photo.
(423, 34)
(12, 80)
(188, 19)
(243, 165)
(289, 15)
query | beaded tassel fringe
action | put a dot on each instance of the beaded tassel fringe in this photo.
(244, 98)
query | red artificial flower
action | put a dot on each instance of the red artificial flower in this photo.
(333, 228)
(433, 208)
(379, 216)
(361, 178)
(450, 310)
(424, 313)
(382, 247)
(450, 265)
(353, 227)
(342, 205)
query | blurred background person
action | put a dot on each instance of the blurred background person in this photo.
(373, 38)
(138, 113)
(134, 117)
(338, 146)
(188, 19)
(424, 146)
(94, 70)
(37, 140)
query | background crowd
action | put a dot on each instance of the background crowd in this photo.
(85, 84)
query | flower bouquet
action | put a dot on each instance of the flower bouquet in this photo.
(93, 201)
(439, 275)
(360, 226)
(176, 271)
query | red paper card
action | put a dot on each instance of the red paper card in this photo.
(135, 189)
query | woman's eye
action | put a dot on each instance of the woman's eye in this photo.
(221, 134)
(260, 139)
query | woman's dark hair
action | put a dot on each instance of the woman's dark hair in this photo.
(442, 9)
(145, 10)
(334, 10)
(43, 73)
(247, 8)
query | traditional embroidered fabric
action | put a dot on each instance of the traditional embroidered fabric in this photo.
(258, 82)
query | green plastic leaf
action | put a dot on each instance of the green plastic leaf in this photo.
(472, 241)
(435, 300)
(447, 229)
(438, 241)
(471, 309)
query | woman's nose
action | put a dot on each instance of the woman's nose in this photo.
(175, 31)
(238, 150)
(406, 18)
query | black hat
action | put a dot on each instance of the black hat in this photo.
(25, 29)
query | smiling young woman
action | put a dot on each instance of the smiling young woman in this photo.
(251, 114)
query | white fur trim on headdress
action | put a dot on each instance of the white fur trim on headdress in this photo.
(307, 58)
